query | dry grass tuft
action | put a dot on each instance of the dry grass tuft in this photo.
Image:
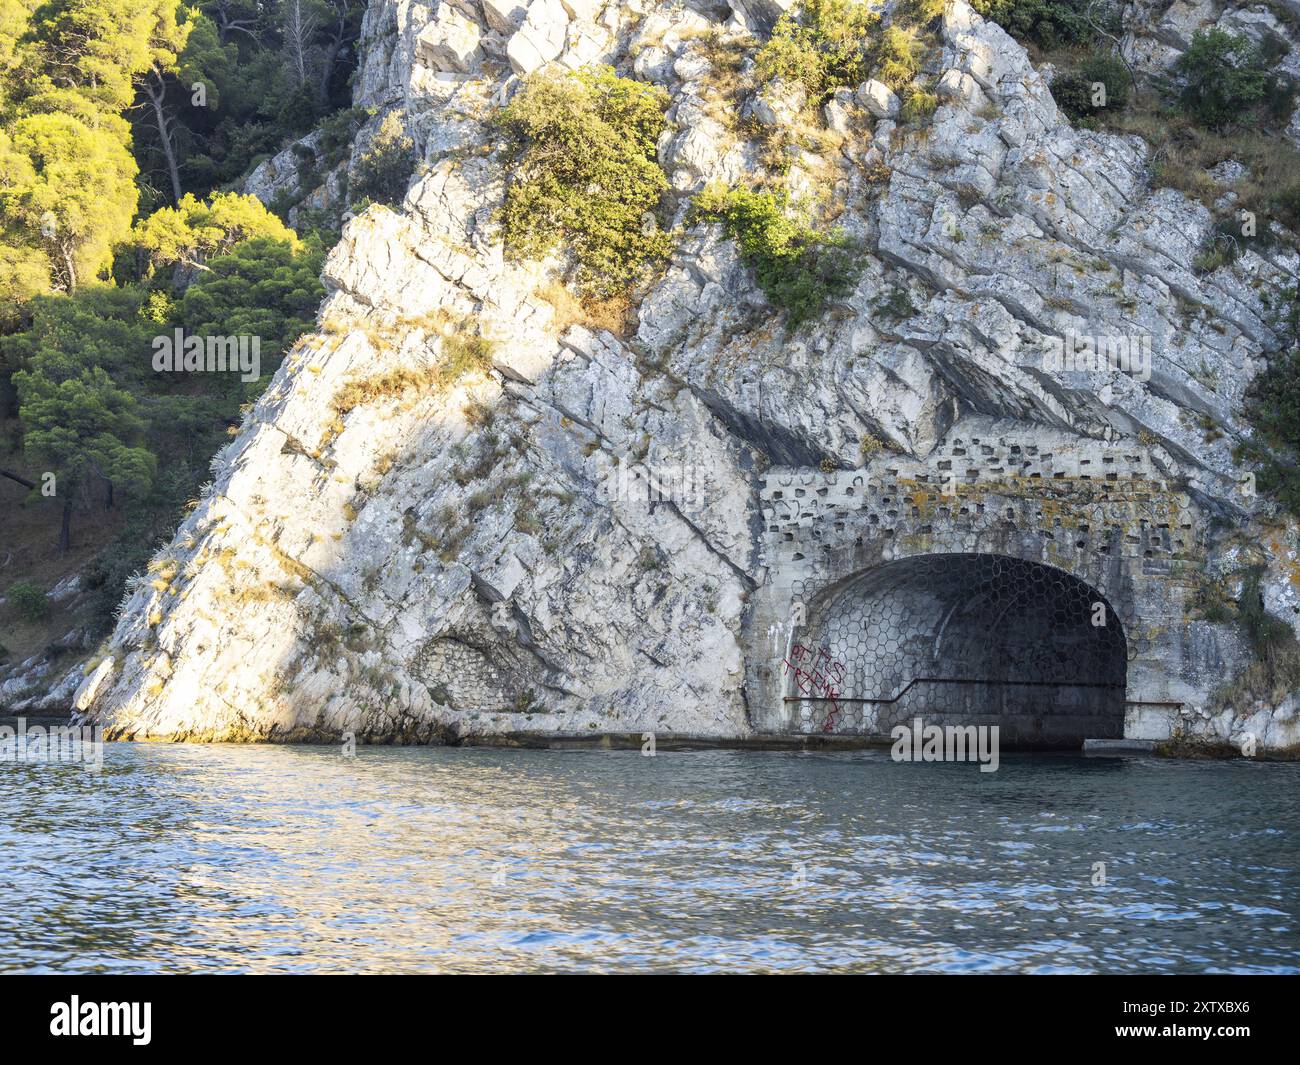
(615, 314)
(462, 355)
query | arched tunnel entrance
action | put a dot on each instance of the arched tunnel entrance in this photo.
(970, 639)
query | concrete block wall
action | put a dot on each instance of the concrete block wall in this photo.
(1100, 511)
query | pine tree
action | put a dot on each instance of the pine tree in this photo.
(70, 191)
(167, 41)
(85, 430)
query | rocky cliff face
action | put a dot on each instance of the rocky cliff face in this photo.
(480, 557)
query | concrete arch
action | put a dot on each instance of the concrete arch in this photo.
(960, 638)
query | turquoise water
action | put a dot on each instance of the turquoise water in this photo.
(298, 859)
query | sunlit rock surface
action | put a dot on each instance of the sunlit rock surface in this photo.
(477, 559)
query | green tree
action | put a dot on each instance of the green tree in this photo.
(83, 83)
(24, 273)
(257, 95)
(14, 18)
(85, 430)
(315, 33)
(265, 288)
(102, 327)
(209, 59)
(167, 40)
(193, 231)
(94, 48)
(216, 131)
(68, 192)
(1052, 24)
(1272, 406)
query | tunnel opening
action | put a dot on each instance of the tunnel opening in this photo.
(963, 639)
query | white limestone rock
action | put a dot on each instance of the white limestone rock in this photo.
(450, 43)
(759, 16)
(582, 10)
(779, 104)
(958, 85)
(541, 37)
(838, 111)
(444, 554)
(879, 99)
(504, 16)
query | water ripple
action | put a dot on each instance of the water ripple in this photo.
(286, 859)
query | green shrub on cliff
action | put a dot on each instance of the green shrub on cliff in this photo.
(384, 169)
(918, 105)
(1264, 631)
(825, 45)
(822, 46)
(1223, 78)
(1275, 671)
(1272, 406)
(1101, 83)
(800, 269)
(1287, 203)
(31, 603)
(1051, 23)
(586, 175)
(1273, 409)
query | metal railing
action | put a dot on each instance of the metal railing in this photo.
(917, 680)
(882, 701)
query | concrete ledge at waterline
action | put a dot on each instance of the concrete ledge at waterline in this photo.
(1182, 747)
(448, 737)
(677, 741)
(1119, 746)
(444, 736)
(1196, 749)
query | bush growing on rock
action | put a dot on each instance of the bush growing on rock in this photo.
(799, 269)
(586, 174)
(1264, 631)
(1273, 408)
(1051, 23)
(1288, 206)
(919, 104)
(870, 447)
(384, 169)
(822, 46)
(337, 133)
(896, 55)
(1275, 669)
(826, 45)
(1223, 78)
(1226, 242)
(1077, 93)
(31, 603)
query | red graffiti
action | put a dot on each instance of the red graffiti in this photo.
(818, 676)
